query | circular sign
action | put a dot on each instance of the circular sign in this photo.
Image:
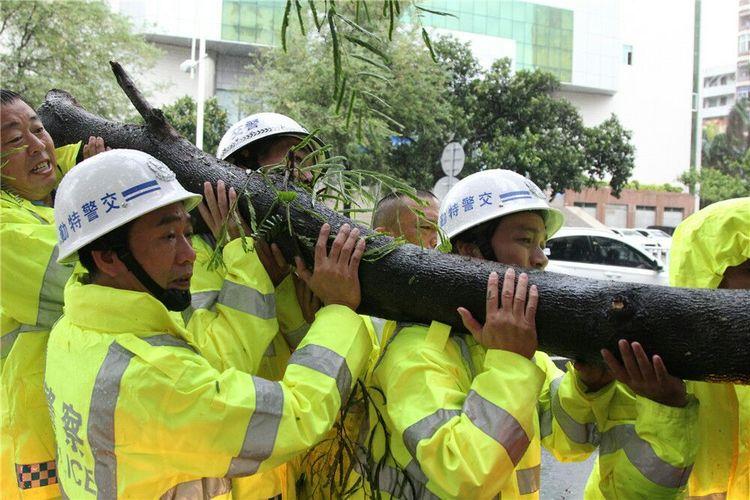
(443, 185)
(452, 159)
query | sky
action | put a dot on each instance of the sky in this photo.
(718, 33)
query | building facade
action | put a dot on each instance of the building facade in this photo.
(718, 96)
(608, 54)
(633, 208)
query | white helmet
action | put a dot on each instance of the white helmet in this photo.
(491, 194)
(259, 126)
(109, 190)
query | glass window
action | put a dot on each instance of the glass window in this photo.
(645, 216)
(570, 249)
(616, 253)
(673, 216)
(616, 215)
(744, 44)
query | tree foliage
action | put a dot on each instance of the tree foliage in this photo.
(68, 45)
(725, 159)
(182, 115)
(504, 120)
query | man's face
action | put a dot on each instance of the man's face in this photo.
(737, 277)
(160, 242)
(420, 231)
(28, 153)
(519, 240)
(276, 154)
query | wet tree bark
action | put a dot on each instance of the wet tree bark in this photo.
(701, 334)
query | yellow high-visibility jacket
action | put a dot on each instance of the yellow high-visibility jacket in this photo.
(467, 422)
(276, 320)
(31, 301)
(286, 332)
(145, 415)
(646, 449)
(703, 246)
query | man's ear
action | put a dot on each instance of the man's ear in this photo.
(468, 249)
(108, 263)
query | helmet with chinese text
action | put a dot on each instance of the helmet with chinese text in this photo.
(109, 190)
(260, 126)
(492, 194)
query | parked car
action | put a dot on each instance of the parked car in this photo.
(601, 254)
(664, 239)
(636, 238)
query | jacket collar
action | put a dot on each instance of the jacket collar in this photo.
(42, 213)
(113, 311)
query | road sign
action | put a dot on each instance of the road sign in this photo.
(443, 185)
(452, 159)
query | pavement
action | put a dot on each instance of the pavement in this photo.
(564, 481)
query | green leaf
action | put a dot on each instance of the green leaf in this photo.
(426, 38)
(351, 108)
(318, 22)
(359, 28)
(436, 12)
(372, 61)
(336, 50)
(285, 23)
(387, 118)
(286, 196)
(392, 19)
(299, 17)
(376, 98)
(368, 46)
(375, 75)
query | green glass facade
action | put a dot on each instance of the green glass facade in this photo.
(252, 21)
(543, 35)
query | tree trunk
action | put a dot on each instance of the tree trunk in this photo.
(701, 334)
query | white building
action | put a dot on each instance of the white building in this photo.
(633, 58)
(718, 95)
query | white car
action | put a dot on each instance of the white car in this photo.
(638, 239)
(601, 254)
(664, 239)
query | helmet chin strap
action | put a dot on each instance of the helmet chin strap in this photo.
(174, 300)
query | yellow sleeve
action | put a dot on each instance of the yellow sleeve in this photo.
(466, 435)
(230, 423)
(232, 318)
(66, 158)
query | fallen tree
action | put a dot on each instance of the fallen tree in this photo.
(701, 334)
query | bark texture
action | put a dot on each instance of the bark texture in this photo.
(701, 334)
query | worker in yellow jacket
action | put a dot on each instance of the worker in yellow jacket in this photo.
(466, 414)
(144, 414)
(32, 294)
(711, 249)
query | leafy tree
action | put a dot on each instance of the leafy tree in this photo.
(182, 115)
(513, 121)
(725, 159)
(68, 46)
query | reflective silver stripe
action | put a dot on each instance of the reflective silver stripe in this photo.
(247, 300)
(101, 424)
(465, 354)
(426, 428)
(294, 337)
(203, 300)
(260, 435)
(497, 424)
(545, 417)
(7, 340)
(576, 432)
(328, 362)
(710, 496)
(199, 489)
(409, 484)
(166, 340)
(200, 300)
(528, 480)
(643, 457)
(51, 293)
